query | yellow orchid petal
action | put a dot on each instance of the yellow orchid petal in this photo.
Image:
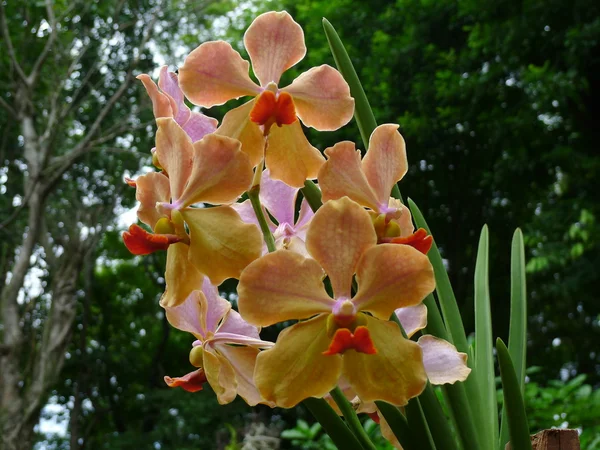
(220, 375)
(280, 286)
(221, 244)
(275, 42)
(214, 73)
(296, 368)
(221, 172)
(342, 175)
(290, 157)
(395, 374)
(181, 277)
(322, 98)
(391, 276)
(385, 163)
(174, 151)
(161, 103)
(151, 189)
(340, 232)
(237, 125)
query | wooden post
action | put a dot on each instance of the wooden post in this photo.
(554, 440)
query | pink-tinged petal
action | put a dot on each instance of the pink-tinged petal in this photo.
(214, 307)
(281, 286)
(151, 189)
(214, 73)
(290, 157)
(139, 242)
(443, 363)
(198, 125)
(304, 218)
(237, 125)
(174, 151)
(220, 375)
(392, 276)
(340, 232)
(342, 175)
(181, 277)
(275, 43)
(243, 361)
(394, 374)
(322, 98)
(187, 315)
(247, 214)
(191, 382)
(234, 324)
(412, 318)
(221, 172)
(296, 368)
(221, 244)
(167, 82)
(278, 198)
(161, 103)
(385, 163)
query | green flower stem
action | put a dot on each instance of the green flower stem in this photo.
(351, 418)
(335, 427)
(312, 194)
(253, 195)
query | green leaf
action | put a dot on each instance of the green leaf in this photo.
(399, 425)
(419, 426)
(486, 406)
(332, 423)
(513, 400)
(312, 194)
(517, 338)
(442, 434)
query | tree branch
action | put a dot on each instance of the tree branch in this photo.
(35, 71)
(6, 106)
(9, 45)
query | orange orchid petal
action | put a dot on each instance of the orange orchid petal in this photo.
(344, 339)
(394, 374)
(220, 375)
(342, 175)
(280, 286)
(275, 42)
(390, 277)
(181, 277)
(221, 172)
(322, 98)
(387, 432)
(340, 232)
(192, 382)
(174, 151)
(385, 163)
(161, 103)
(237, 125)
(221, 244)
(296, 368)
(214, 73)
(151, 189)
(139, 242)
(419, 240)
(290, 157)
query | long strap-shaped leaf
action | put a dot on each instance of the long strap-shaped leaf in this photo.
(513, 401)
(486, 408)
(335, 427)
(517, 338)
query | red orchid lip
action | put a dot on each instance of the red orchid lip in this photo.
(140, 242)
(191, 382)
(419, 240)
(344, 339)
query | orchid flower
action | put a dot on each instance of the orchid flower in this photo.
(212, 170)
(370, 181)
(170, 103)
(225, 348)
(215, 73)
(279, 200)
(338, 337)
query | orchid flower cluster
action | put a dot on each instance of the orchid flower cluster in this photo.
(349, 276)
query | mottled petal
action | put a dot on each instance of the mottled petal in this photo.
(221, 244)
(296, 368)
(191, 382)
(290, 157)
(139, 242)
(395, 374)
(322, 98)
(342, 175)
(281, 286)
(181, 277)
(174, 151)
(151, 189)
(340, 232)
(234, 324)
(278, 198)
(443, 363)
(392, 276)
(275, 43)
(221, 172)
(412, 318)
(161, 103)
(385, 163)
(214, 73)
(237, 125)
(187, 315)
(167, 82)
(220, 375)
(198, 125)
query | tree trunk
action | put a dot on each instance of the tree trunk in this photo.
(554, 440)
